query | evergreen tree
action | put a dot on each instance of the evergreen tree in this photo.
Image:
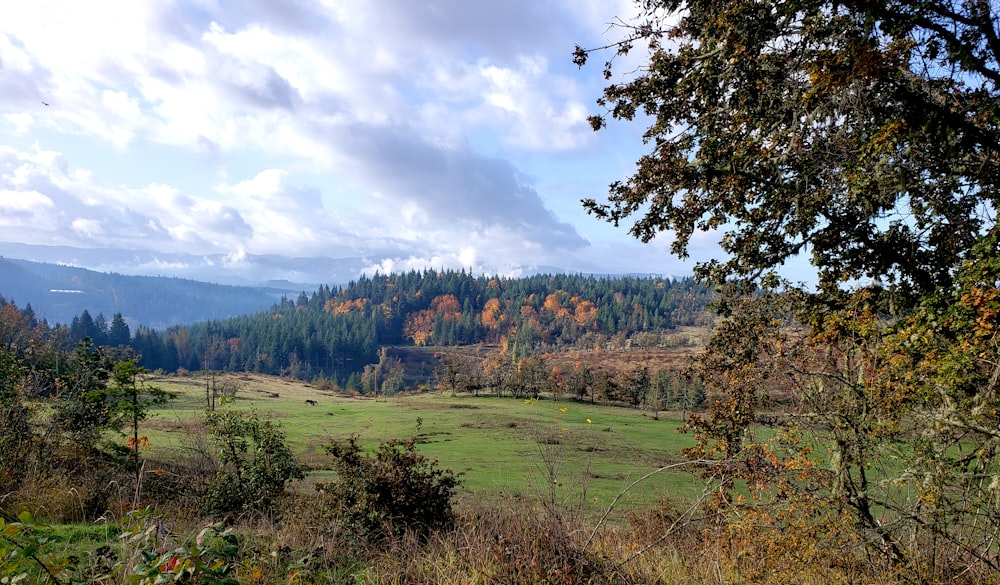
(663, 389)
(638, 386)
(84, 327)
(118, 333)
(84, 405)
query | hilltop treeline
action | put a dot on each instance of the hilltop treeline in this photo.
(336, 331)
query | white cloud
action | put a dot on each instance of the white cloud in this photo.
(236, 258)
(552, 118)
(87, 228)
(240, 85)
(467, 256)
(21, 122)
(20, 208)
(397, 134)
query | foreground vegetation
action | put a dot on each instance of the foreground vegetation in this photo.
(862, 137)
(537, 478)
(851, 435)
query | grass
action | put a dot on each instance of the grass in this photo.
(499, 445)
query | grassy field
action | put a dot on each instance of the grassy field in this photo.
(570, 452)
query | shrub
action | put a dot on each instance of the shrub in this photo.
(391, 491)
(210, 560)
(255, 463)
(16, 440)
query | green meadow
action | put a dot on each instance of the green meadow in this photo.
(567, 452)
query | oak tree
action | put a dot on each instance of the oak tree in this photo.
(862, 134)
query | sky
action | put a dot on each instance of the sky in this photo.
(384, 135)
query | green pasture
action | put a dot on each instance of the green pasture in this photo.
(568, 452)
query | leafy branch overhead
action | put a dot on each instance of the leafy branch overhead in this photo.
(863, 134)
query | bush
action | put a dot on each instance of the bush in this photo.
(255, 463)
(17, 438)
(391, 491)
(210, 559)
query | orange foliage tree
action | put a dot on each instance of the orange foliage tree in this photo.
(491, 314)
(419, 326)
(585, 313)
(342, 307)
(447, 305)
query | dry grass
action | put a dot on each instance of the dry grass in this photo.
(514, 541)
(506, 539)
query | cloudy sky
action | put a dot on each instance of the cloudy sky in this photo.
(394, 133)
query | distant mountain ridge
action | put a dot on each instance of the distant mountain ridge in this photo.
(59, 293)
(245, 270)
(302, 273)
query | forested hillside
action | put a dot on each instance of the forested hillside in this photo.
(58, 293)
(337, 331)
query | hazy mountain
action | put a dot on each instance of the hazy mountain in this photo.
(245, 270)
(299, 273)
(58, 293)
(294, 273)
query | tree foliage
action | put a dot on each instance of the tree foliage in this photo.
(944, 368)
(63, 416)
(16, 435)
(85, 405)
(134, 399)
(863, 134)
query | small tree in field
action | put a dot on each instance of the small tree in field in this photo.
(637, 386)
(134, 398)
(391, 491)
(255, 463)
